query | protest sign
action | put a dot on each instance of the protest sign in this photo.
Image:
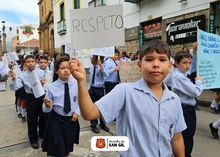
(103, 51)
(208, 55)
(129, 71)
(4, 70)
(17, 71)
(5, 59)
(12, 56)
(49, 80)
(69, 50)
(97, 27)
(36, 86)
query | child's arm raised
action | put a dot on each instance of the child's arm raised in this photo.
(88, 109)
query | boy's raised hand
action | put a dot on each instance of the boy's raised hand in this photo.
(13, 75)
(198, 78)
(77, 69)
(42, 81)
(47, 102)
(195, 44)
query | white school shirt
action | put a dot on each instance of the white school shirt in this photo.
(148, 123)
(55, 92)
(184, 88)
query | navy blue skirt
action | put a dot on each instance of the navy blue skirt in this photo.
(60, 135)
(20, 93)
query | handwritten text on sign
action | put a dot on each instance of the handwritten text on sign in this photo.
(208, 59)
(97, 27)
(129, 71)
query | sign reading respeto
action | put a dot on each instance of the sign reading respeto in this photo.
(97, 27)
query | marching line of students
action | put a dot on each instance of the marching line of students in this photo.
(167, 118)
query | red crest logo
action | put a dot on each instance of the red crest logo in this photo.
(100, 143)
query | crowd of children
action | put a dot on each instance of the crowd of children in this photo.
(167, 117)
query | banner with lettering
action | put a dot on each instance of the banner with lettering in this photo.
(97, 27)
(129, 71)
(208, 59)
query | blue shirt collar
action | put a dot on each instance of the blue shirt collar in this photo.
(142, 86)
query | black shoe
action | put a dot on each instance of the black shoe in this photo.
(19, 115)
(35, 145)
(197, 108)
(105, 128)
(214, 131)
(23, 120)
(213, 110)
(95, 129)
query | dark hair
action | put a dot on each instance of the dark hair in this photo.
(43, 57)
(55, 55)
(116, 51)
(57, 66)
(60, 55)
(29, 56)
(157, 45)
(95, 57)
(182, 54)
(124, 53)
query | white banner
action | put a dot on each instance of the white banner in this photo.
(97, 27)
(12, 56)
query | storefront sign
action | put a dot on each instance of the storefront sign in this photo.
(153, 30)
(131, 34)
(185, 30)
(212, 23)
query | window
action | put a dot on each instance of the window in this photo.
(92, 4)
(96, 3)
(62, 11)
(42, 9)
(76, 4)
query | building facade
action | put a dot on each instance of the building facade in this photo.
(62, 23)
(25, 34)
(145, 20)
(178, 20)
(46, 28)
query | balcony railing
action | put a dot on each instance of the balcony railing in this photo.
(61, 27)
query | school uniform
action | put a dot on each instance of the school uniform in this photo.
(124, 59)
(34, 105)
(61, 133)
(148, 123)
(96, 88)
(187, 92)
(113, 76)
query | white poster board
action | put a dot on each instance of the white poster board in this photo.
(12, 56)
(36, 86)
(97, 27)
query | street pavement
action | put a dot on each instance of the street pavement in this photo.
(14, 140)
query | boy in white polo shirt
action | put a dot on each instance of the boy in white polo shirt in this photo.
(147, 112)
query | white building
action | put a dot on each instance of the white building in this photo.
(145, 20)
(27, 32)
(61, 17)
(27, 38)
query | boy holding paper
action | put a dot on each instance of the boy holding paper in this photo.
(34, 105)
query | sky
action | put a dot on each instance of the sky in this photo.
(16, 13)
